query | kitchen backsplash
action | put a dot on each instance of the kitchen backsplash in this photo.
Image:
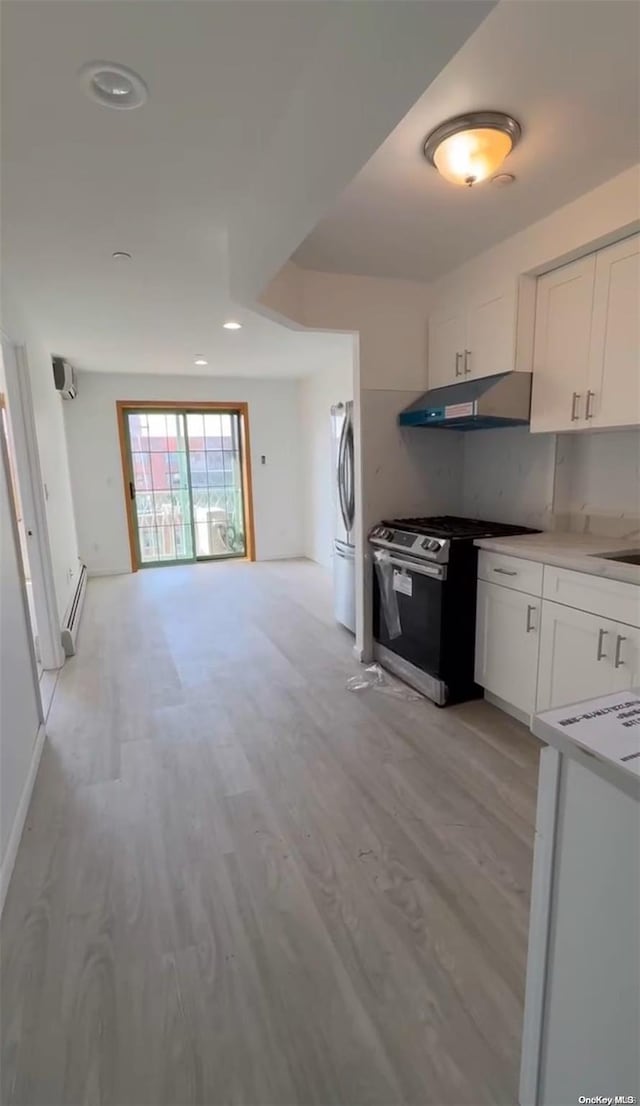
(598, 483)
(585, 482)
(508, 476)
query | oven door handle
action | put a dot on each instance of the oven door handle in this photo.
(436, 572)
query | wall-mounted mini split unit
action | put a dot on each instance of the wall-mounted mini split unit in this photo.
(64, 378)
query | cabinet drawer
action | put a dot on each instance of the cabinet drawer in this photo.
(607, 598)
(510, 572)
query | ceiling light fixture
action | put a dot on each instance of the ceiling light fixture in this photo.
(470, 148)
(200, 361)
(121, 255)
(113, 85)
(231, 325)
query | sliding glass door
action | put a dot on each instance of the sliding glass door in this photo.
(187, 484)
(216, 483)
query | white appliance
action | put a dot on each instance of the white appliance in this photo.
(64, 378)
(344, 552)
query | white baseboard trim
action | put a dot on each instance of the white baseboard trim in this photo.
(95, 574)
(6, 871)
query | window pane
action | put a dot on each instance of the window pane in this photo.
(226, 422)
(144, 509)
(141, 464)
(212, 431)
(157, 432)
(184, 544)
(215, 469)
(172, 429)
(232, 469)
(148, 545)
(178, 470)
(166, 543)
(195, 431)
(198, 469)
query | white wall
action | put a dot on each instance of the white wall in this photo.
(318, 393)
(96, 471)
(593, 220)
(52, 450)
(19, 702)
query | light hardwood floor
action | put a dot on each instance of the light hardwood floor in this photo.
(241, 883)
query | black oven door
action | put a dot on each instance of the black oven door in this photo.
(408, 597)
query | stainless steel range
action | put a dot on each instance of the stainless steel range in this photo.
(424, 602)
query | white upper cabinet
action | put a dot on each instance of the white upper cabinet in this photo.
(564, 307)
(490, 334)
(474, 337)
(446, 347)
(614, 363)
(586, 360)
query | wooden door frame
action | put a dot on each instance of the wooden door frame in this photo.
(125, 406)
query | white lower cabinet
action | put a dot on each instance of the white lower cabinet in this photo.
(581, 1023)
(574, 657)
(536, 654)
(626, 656)
(507, 624)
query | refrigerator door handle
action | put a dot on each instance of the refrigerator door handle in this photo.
(349, 475)
(341, 477)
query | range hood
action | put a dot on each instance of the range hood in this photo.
(491, 401)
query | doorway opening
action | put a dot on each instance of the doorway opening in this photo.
(187, 479)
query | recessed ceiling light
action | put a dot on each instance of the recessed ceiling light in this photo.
(112, 85)
(200, 361)
(121, 255)
(231, 325)
(470, 148)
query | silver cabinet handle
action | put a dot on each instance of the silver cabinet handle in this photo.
(575, 414)
(600, 655)
(506, 571)
(590, 398)
(458, 360)
(530, 609)
(618, 657)
(467, 355)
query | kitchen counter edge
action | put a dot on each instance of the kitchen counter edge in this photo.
(566, 550)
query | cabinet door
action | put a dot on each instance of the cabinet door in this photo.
(491, 334)
(625, 654)
(507, 644)
(576, 656)
(564, 304)
(446, 348)
(591, 1024)
(614, 366)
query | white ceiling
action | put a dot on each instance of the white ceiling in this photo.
(221, 144)
(80, 181)
(568, 70)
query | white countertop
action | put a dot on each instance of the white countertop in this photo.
(606, 729)
(567, 550)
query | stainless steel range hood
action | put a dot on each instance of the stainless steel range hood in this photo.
(491, 401)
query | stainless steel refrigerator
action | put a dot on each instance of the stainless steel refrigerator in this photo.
(344, 563)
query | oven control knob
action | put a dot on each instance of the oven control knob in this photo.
(431, 544)
(387, 535)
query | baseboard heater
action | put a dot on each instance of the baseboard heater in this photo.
(72, 617)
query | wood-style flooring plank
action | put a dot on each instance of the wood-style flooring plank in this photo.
(241, 884)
